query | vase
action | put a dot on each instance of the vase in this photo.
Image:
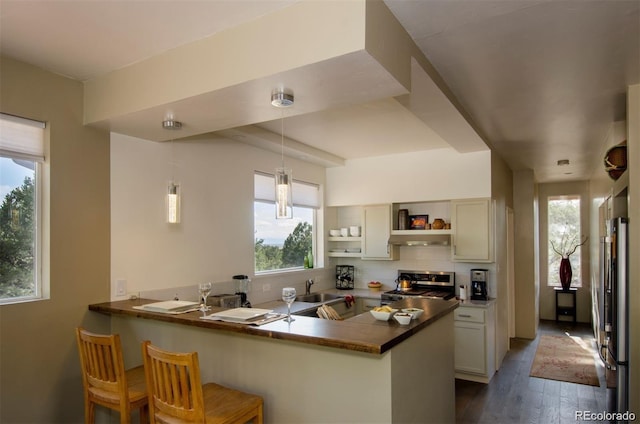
(565, 273)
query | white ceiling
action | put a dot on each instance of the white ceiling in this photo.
(541, 80)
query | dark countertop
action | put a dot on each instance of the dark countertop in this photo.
(362, 333)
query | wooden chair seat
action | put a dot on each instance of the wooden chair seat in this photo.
(137, 388)
(105, 380)
(176, 394)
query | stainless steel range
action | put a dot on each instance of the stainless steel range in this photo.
(424, 284)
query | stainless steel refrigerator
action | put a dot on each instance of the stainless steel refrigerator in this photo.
(615, 316)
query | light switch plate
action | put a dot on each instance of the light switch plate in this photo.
(121, 287)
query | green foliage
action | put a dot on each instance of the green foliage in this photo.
(17, 242)
(292, 253)
(267, 257)
(297, 245)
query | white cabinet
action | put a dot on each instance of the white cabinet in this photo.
(376, 229)
(474, 329)
(472, 226)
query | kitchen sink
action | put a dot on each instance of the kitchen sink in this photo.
(317, 297)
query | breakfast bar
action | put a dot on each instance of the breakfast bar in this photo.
(312, 370)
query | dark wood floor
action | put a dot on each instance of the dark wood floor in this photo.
(514, 397)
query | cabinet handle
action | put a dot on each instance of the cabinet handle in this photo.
(464, 316)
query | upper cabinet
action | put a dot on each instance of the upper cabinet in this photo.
(376, 228)
(468, 229)
(472, 227)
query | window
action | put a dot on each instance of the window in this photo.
(21, 158)
(564, 235)
(284, 244)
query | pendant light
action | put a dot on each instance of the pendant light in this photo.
(283, 179)
(172, 200)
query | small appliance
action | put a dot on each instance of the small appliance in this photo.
(242, 287)
(479, 281)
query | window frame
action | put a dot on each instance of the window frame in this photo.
(552, 280)
(316, 222)
(40, 213)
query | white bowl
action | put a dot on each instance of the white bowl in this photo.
(334, 233)
(402, 318)
(415, 312)
(383, 316)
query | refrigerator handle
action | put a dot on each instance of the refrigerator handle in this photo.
(607, 365)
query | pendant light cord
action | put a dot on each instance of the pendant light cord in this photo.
(173, 164)
(282, 135)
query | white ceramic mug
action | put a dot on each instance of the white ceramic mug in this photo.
(354, 231)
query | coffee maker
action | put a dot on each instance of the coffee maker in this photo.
(479, 290)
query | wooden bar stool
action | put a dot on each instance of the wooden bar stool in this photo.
(176, 393)
(105, 380)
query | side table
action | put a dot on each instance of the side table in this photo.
(563, 309)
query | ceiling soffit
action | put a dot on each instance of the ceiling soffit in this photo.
(224, 81)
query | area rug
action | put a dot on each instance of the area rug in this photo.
(565, 358)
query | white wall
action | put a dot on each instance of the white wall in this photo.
(215, 239)
(429, 175)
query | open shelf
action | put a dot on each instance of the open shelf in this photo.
(421, 232)
(344, 238)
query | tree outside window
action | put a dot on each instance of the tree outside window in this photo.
(17, 230)
(563, 228)
(282, 244)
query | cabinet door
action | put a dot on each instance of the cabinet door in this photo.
(376, 229)
(470, 350)
(472, 230)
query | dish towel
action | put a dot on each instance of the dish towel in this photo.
(349, 300)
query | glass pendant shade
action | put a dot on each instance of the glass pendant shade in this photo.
(284, 204)
(173, 203)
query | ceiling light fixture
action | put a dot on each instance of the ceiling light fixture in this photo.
(283, 177)
(171, 124)
(281, 99)
(172, 201)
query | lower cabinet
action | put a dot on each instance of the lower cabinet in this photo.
(474, 329)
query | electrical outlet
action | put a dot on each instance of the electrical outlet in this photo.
(266, 287)
(121, 287)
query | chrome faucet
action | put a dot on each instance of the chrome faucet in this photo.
(308, 285)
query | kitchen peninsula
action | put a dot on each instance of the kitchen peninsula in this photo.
(311, 370)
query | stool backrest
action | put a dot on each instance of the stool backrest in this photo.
(103, 372)
(173, 384)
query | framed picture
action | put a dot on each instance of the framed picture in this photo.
(418, 222)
